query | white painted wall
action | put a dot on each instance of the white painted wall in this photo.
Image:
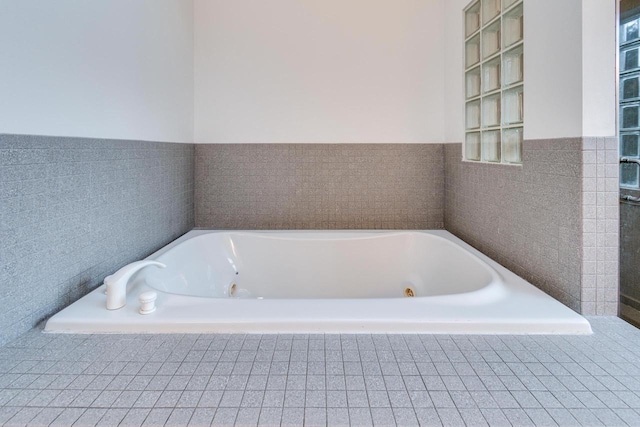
(108, 69)
(319, 71)
(552, 69)
(599, 68)
(454, 70)
(569, 69)
(362, 71)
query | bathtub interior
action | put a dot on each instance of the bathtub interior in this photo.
(308, 265)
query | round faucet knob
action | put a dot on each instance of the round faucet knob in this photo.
(147, 302)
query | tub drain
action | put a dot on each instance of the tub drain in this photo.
(408, 292)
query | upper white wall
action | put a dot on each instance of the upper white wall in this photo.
(319, 71)
(569, 70)
(552, 69)
(599, 102)
(109, 69)
(287, 70)
(453, 65)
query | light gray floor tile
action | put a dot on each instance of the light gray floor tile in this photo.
(337, 399)
(374, 382)
(45, 417)
(330, 379)
(585, 417)
(276, 382)
(518, 417)
(428, 417)
(90, 417)
(189, 399)
(450, 417)
(547, 399)
(202, 417)
(357, 399)
(294, 399)
(338, 417)
(157, 417)
(629, 416)
(355, 382)
(22, 416)
(273, 399)
(383, 417)
(252, 399)
(576, 417)
(434, 383)
(231, 399)
(315, 416)
(420, 399)
(541, 417)
(225, 417)
(495, 417)
(360, 416)
(399, 399)
(292, 417)
(441, 399)
(248, 417)
(210, 399)
(405, 417)
(610, 418)
(473, 417)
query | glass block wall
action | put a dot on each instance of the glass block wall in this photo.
(629, 100)
(494, 81)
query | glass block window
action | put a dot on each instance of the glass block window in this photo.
(629, 101)
(494, 74)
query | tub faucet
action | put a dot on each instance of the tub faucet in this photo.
(117, 282)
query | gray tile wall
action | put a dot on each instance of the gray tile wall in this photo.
(319, 186)
(73, 210)
(528, 218)
(553, 220)
(600, 204)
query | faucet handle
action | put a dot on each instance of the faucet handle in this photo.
(147, 302)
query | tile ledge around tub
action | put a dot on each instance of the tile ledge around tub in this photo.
(477, 162)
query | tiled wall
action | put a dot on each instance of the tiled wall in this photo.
(552, 220)
(600, 204)
(73, 210)
(528, 218)
(319, 186)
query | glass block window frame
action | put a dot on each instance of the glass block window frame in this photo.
(629, 98)
(494, 81)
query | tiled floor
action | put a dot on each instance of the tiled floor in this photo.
(202, 380)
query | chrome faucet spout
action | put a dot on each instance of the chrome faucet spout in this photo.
(117, 282)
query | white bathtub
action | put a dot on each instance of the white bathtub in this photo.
(325, 282)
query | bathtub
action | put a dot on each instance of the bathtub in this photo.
(325, 282)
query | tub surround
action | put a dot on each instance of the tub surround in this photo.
(552, 220)
(319, 186)
(332, 282)
(73, 210)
